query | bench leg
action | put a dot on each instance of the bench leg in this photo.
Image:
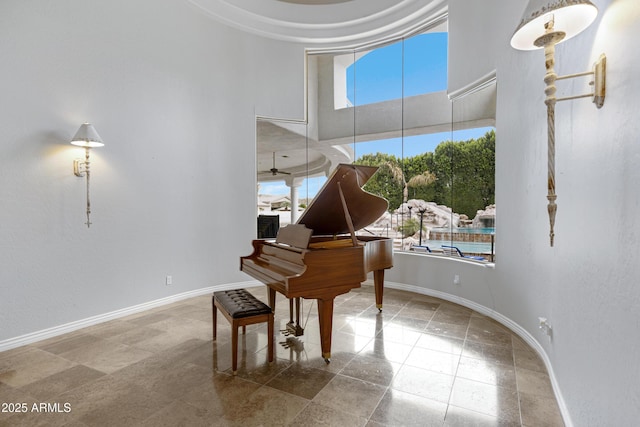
(270, 331)
(214, 318)
(234, 347)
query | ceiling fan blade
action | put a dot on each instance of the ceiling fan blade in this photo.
(274, 171)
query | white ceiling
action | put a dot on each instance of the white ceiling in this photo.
(323, 23)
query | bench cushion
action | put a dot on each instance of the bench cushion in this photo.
(241, 303)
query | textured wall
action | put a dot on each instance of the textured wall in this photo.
(174, 95)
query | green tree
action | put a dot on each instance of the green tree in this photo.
(458, 174)
(383, 183)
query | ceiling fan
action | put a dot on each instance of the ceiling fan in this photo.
(274, 171)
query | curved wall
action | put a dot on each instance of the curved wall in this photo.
(586, 285)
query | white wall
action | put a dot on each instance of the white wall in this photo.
(587, 284)
(174, 96)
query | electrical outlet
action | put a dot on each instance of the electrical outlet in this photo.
(456, 279)
(169, 281)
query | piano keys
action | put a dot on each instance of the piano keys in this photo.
(320, 257)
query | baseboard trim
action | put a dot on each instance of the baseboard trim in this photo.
(94, 320)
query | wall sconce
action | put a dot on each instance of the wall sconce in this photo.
(88, 138)
(544, 24)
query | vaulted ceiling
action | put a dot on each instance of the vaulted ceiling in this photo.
(323, 22)
(319, 25)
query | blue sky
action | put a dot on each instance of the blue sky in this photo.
(379, 74)
(379, 77)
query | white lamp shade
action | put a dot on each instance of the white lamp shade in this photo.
(569, 16)
(87, 137)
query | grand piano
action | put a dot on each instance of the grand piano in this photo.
(321, 257)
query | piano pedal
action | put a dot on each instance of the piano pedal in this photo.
(295, 330)
(294, 344)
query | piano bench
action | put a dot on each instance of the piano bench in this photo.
(241, 308)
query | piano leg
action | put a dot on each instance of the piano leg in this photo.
(378, 280)
(272, 299)
(291, 311)
(325, 313)
(298, 326)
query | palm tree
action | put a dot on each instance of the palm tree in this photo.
(422, 180)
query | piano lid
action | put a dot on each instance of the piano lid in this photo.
(325, 214)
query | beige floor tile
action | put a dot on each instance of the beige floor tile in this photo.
(423, 382)
(106, 356)
(490, 352)
(396, 333)
(316, 415)
(416, 313)
(53, 385)
(15, 399)
(136, 335)
(398, 408)
(440, 343)
(301, 381)
(265, 407)
(179, 380)
(487, 372)
(67, 342)
(487, 399)
(372, 369)
(312, 359)
(528, 359)
(387, 350)
(112, 401)
(30, 365)
(433, 360)
(221, 393)
(447, 329)
(489, 336)
(180, 413)
(38, 416)
(417, 325)
(533, 382)
(461, 417)
(540, 411)
(351, 395)
(451, 316)
(146, 318)
(111, 328)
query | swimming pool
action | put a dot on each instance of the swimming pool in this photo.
(480, 248)
(465, 230)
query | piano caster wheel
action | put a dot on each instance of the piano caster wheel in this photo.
(327, 360)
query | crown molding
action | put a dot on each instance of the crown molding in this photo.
(327, 25)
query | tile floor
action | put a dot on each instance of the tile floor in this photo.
(421, 362)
